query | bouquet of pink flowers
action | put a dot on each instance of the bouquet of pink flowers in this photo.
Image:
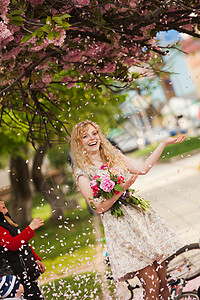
(106, 183)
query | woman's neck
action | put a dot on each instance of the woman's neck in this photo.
(96, 159)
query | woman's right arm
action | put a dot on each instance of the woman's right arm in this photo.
(86, 191)
(13, 243)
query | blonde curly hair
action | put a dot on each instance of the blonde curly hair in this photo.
(108, 153)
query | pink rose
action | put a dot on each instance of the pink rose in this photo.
(119, 178)
(93, 183)
(95, 188)
(117, 192)
(106, 184)
(104, 167)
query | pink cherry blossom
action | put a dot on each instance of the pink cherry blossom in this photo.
(36, 2)
(6, 35)
(4, 9)
(81, 2)
(70, 85)
(109, 6)
(12, 53)
(66, 79)
(57, 41)
(47, 78)
(103, 39)
(109, 68)
(73, 56)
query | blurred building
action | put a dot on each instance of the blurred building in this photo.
(174, 105)
(191, 47)
(182, 86)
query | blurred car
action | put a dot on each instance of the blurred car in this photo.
(123, 140)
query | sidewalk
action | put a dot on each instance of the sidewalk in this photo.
(174, 192)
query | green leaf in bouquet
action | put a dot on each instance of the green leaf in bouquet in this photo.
(132, 191)
(116, 210)
(119, 213)
(114, 177)
(92, 204)
(118, 188)
(135, 200)
(109, 195)
(116, 205)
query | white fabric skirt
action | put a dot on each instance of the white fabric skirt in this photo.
(137, 239)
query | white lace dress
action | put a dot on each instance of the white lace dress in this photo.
(136, 239)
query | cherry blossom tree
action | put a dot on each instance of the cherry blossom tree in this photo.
(46, 43)
(77, 104)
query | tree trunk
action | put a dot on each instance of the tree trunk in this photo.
(21, 195)
(50, 193)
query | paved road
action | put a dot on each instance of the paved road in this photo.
(174, 191)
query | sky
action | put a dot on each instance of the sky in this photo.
(168, 37)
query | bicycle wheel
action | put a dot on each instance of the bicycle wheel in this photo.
(185, 263)
(189, 296)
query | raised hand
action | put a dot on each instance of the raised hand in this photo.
(36, 223)
(171, 140)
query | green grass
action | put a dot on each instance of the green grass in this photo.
(65, 244)
(41, 208)
(190, 144)
(80, 286)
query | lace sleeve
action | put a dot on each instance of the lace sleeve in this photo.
(78, 173)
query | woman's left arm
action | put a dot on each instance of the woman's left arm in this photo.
(141, 168)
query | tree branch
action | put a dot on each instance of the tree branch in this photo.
(26, 72)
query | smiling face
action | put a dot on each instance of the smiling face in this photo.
(3, 208)
(91, 140)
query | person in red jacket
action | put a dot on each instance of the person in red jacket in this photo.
(19, 255)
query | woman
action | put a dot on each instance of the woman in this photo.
(22, 259)
(138, 242)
